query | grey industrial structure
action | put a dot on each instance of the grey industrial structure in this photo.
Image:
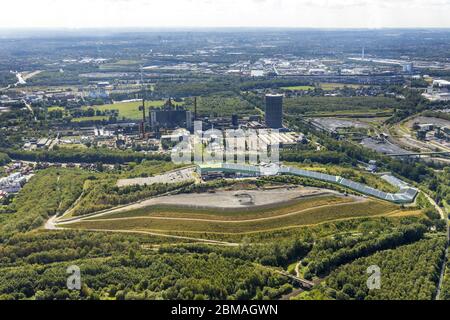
(274, 111)
(170, 118)
(406, 193)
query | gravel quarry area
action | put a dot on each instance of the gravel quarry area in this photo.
(383, 147)
(240, 198)
(334, 123)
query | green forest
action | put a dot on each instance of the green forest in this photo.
(407, 273)
(120, 266)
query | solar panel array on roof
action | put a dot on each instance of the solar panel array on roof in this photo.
(394, 181)
(406, 194)
(241, 167)
(309, 174)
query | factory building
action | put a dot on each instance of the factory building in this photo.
(274, 111)
(170, 117)
(442, 85)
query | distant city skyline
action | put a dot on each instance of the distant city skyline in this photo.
(225, 13)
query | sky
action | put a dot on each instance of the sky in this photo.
(225, 13)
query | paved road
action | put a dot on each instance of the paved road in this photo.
(297, 271)
(30, 109)
(50, 224)
(436, 206)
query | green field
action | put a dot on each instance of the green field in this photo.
(55, 108)
(299, 88)
(334, 86)
(94, 118)
(325, 86)
(128, 110)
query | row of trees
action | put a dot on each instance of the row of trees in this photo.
(90, 155)
(324, 157)
(4, 159)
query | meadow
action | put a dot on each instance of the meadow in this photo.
(299, 88)
(335, 86)
(127, 110)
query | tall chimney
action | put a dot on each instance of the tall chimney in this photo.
(195, 109)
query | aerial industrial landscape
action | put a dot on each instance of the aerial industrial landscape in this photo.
(252, 164)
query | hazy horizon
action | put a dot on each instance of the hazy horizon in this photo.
(185, 14)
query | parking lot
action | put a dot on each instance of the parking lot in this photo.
(333, 124)
(382, 147)
(176, 176)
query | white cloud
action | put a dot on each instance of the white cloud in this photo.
(204, 13)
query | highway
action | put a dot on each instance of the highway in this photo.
(28, 106)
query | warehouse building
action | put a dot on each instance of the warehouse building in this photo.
(406, 193)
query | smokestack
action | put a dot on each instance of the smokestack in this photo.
(195, 109)
(143, 102)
